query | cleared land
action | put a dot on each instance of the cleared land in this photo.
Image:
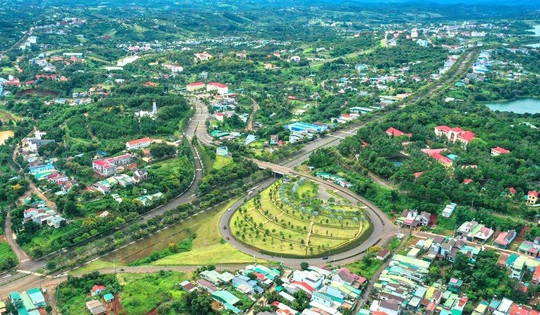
(290, 219)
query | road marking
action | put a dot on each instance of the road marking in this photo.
(7, 276)
(25, 260)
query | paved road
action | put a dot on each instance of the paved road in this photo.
(249, 125)
(8, 232)
(197, 126)
(383, 229)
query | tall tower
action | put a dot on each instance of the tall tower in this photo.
(154, 108)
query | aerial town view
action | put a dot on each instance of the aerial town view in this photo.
(269, 157)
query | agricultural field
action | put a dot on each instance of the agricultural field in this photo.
(298, 218)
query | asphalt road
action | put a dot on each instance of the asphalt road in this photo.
(383, 228)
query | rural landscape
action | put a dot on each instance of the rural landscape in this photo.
(269, 157)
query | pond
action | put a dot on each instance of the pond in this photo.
(4, 135)
(520, 106)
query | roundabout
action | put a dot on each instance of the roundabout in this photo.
(304, 219)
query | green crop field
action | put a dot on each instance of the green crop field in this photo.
(291, 219)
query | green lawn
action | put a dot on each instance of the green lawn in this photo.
(95, 265)
(222, 161)
(208, 246)
(280, 228)
(143, 292)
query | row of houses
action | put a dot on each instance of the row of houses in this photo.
(39, 213)
(334, 178)
(330, 291)
(225, 287)
(29, 302)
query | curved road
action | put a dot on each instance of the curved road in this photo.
(383, 228)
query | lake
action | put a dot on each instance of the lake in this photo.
(521, 106)
(536, 30)
(4, 135)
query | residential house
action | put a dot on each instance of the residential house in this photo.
(536, 276)
(532, 197)
(466, 228)
(449, 210)
(140, 175)
(393, 132)
(383, 254)
(344, 275)
(188, 286)
(274, 140)
(207, 286)
(203, 56)
(97, 290)
(504, 239)
(528, 248)
(95, 307)
(498, 151)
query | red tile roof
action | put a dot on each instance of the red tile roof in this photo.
(418, 174)
(441, 158)
(96, 288)
(501, 150)
(533, 193)
(466, 136)
(396, 133)
(138, 141)
(218, 84)
(467, 181)
(196, 84)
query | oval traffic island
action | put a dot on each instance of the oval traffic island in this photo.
(295, 218)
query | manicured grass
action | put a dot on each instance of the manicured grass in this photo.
(95, 265)
(222, 161)
(308, 188)
(143, 292)
(208, 246)
(280, 228)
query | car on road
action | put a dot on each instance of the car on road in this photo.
(228, 238)
(325, 258)
(224, 227)
(229, 209)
